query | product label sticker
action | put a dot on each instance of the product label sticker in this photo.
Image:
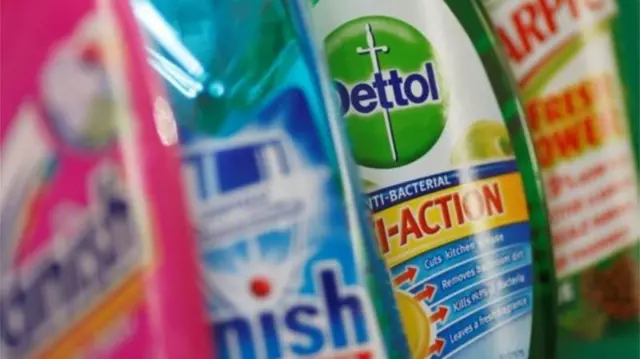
(563, 57)
(71, 263)
(448, 204)
(280, 274)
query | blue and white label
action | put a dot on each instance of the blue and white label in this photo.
(278, 264)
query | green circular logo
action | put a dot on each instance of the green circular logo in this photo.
(393, 99)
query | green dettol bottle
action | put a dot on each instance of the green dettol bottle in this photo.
(562, 55)
(457, 207)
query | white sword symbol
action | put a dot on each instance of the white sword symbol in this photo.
(372, 51)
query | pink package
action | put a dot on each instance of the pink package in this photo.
(96, 254)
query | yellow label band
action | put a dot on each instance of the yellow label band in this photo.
(421, 224)
(121, 301)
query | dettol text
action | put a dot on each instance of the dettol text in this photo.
(390, 91)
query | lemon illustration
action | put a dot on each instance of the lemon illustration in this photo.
(416, 324)
(484, 140)
(368, 185)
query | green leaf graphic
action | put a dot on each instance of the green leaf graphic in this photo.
(560, 59)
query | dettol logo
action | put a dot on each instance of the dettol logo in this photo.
(392, 96)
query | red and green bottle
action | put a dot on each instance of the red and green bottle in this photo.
(563, 56)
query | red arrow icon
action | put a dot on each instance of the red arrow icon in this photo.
(426, 293)
(408, 276)
(436, 348)
(440, 315)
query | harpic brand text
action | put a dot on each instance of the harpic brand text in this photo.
(537, 22)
